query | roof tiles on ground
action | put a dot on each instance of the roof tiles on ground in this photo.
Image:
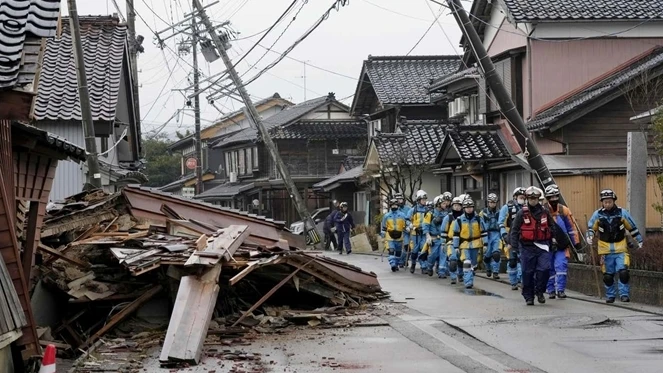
(104, 43)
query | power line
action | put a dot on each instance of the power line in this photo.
(395, 12)
(425, 33)
(308, 64)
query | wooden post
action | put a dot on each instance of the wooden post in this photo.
(636, 179)
(30, 242)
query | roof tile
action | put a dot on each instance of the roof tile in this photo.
(57, 97)
(417, 144)
(561, 10)
(320, 130)
(473, 145)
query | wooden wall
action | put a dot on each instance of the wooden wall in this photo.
(581, 193)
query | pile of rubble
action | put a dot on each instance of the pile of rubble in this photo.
(104, 256)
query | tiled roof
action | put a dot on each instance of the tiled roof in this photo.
(20, 21)
(563, 10)
(347, 176)
(405, 79)
(352, 161)
(417, 144)
(49, 140)
(224, 190)
(320, 130)
(285, 116)
(104, 43)
(596, 90)
(474, 145)
(452, 78)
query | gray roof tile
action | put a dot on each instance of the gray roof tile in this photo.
(20, 22)
(104, 43)
(49, 140)
(349, 175)
(405, 79)
(596, 90)
(567, 10)
(320, 130)
(452, 78)
(417, 144)
(352, 161)
(285, 116)
(224, 190)
(474, 145)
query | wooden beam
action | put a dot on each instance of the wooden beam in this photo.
(60, 255)
(223, 243)
(271, 292)
(30, 241)
(128, 310)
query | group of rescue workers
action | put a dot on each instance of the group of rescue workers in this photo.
(533, 231)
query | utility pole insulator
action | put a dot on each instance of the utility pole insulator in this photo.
(254, 117)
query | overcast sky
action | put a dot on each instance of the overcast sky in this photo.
(339, 44)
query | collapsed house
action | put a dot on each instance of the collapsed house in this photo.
(103, 256)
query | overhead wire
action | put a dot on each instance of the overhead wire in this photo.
(425, 33)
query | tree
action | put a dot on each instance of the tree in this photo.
(181, 135)
(403, 172)
(162, 166)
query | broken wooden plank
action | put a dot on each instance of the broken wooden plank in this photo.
(110, 224)
(252, 266)
(224, 242)
(201, 242)
(129, 260)
(83, 236)
(126, 311)
(60, 255)
(59, 346)
(271, 292)
(192, 313)
(111, 234)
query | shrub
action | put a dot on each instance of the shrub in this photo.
(371, 233)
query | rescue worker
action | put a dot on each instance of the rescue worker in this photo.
(469, 236)
(419, 224)
(507, 214)
(610, 223)
(447, 239)
(493, 253)
(430, 206)
(446, 201)
(532, 233)
(344, 226)
(435, 230)
(329, 227)
(393, 230)
(560, 255)
(406, 212)
(445, 206)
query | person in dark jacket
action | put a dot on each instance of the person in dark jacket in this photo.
(344, 225)
(533, 233)
(329, 227)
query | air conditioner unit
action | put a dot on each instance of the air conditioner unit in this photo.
(233, 177)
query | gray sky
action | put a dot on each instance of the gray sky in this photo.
(339, 44)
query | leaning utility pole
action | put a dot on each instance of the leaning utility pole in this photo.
(529, 148)
(255, 118)
(196, 107)
(93, 172)
(134, 48)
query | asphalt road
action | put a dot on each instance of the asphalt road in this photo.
(490, 329)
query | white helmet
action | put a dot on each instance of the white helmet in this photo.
(463, 197)
(421, 195)
(457, 201)
(447, 196)
(492, 197)
(437, 200)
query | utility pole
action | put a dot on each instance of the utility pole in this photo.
(93, 172)
(134, 48)
(530, 150)
(255, 118)
(196, 107)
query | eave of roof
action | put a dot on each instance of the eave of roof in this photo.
(51, 141)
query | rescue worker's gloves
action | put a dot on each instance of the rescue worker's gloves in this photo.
(429, 240)
(504, 237)
(408, 229)
(639, 245)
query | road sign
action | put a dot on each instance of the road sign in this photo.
(191, 163)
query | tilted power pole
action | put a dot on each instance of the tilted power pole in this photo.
(255, 118)
(93, 172)
(503, 98)
(196, 107)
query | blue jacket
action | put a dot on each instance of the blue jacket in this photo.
(491, 219)
(344, 222)
(507, 215)
(330, 221)
(435, 228)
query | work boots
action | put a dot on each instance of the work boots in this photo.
(496, 276)
(561, 295)
(529, 302)
(610, 300)
(552, 295)
(412, 267)
(540, 298)
(625, 298)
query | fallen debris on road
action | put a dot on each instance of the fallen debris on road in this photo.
(105, 257)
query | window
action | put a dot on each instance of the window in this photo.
(249, 161)
(227, 156)
(473, 116)
(242, 165)
(374, 127)
(255, 158)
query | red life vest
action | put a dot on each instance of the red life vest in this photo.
(533, 230)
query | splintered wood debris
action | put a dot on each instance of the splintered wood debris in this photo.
(109, 258)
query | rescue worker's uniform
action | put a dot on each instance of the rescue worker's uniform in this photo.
(393, 229)
(560, 255)
(453, 269)
(435, 231)
(532, 233)
(419, 224)
(493, 254)
(469, 236)
(406, 212)
(610, 227)
(507, 214)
